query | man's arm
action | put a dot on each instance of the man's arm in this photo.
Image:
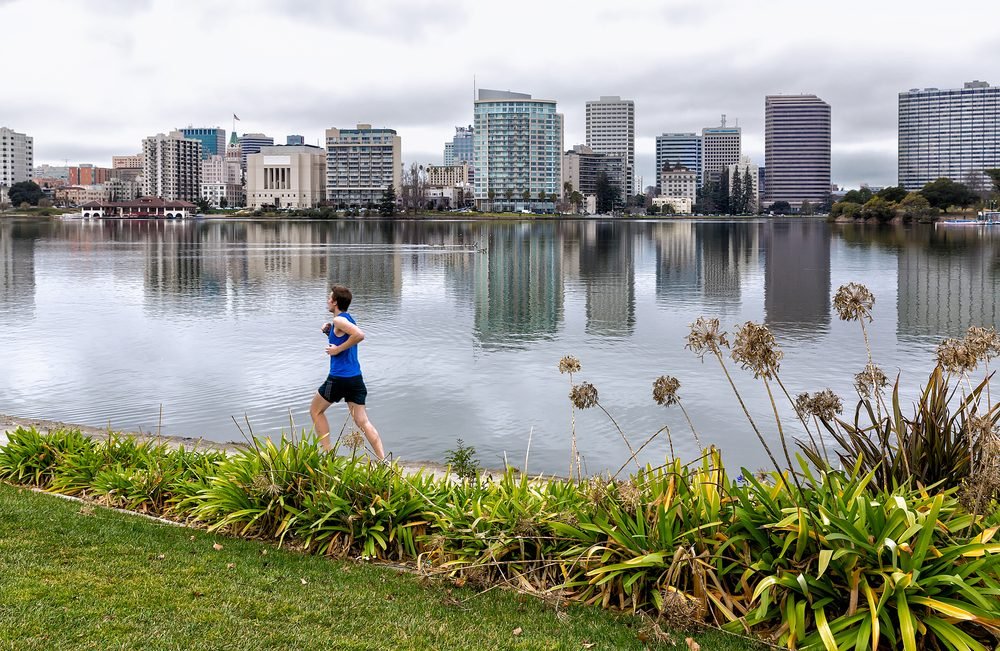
(354, 336)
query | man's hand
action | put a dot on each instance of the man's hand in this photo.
(326, 328)
(332, 350)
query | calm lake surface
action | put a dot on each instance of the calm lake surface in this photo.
(105, 322)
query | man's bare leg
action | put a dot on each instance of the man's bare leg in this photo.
(360, 416)
(317, 410)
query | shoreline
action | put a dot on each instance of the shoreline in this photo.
(10, 423)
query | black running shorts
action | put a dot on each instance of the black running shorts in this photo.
(349, 389)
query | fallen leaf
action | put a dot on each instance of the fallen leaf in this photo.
(230, 566)
(263, 552)
(518, 631)
(161, 556)
(589, 645)
(459, 582)
(192, 537)
(692, 645)
(304, 582)
(217, 547)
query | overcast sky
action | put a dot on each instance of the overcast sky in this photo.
(90, 79)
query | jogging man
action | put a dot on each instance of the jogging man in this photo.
(345, 381)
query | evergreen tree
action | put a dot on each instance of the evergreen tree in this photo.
(736, 193)
(749, 200)
(387, 206)
(722, 200)
(607, 193)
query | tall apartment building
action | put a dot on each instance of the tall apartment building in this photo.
(518, 147)
(611, 131)
(171, 167)
(213, 139)
(582, 165)
(290, 176)
(796, 149)
(250, 143)
(953, 133)
(361, 163)
(720, 148)
(461, 150)
(678, 149)
(17, 157)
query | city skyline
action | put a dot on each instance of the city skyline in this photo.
(417, 80)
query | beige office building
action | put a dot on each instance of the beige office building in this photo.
(679, 181)
(448, 176)
(286, 176)
(361, 163)
(126, 162)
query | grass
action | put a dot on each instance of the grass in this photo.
(76, 576)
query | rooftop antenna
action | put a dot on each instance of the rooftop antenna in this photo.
(723, 119)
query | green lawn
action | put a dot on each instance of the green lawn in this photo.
(75, 576)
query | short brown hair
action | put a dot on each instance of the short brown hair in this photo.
(343, 297)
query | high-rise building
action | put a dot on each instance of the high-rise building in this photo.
(250, 143)
(582, 165)
(953, 133)
(449, 154)
(678, 149)
(796, 149)
(611, 131)
(678, 182)
(361, 163)
(171, 167)
(293, 176)
(17, 157)
(295, 139)
(213, 139)
(518, 148)
(460, 149)
(720, 148)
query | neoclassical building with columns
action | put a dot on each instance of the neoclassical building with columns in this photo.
(286, 176)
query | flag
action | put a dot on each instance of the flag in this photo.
(234, 117)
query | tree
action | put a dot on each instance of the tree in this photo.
(781, 207)
(567, 188)
(576, 199)
(526, 196)
(414, 189)
(45, 203)
(509, 195)
(860, 197)
(491, 195)
(749, 198)
(722, 199)
(944, 192)
(203, 205)
(653, 210)
(846, 209)
(806, 209)
(994, 175)
(705, 199)
(893, 193)
(387, 205)
(25, 192)
(879, 209)
(915, 207)
(223, 203)
(608, 194)
(736, 193)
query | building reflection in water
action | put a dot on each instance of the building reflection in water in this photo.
(797, 276)
(17, 266)
(519, 285)
(607, 270)
(948, 279)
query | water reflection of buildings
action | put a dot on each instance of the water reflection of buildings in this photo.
(704, 261)
(519, 285)
(607, 269)
(797, 275)
(947, 282)
(17, 265)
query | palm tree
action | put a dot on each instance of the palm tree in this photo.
(509, 194)
(491, 195)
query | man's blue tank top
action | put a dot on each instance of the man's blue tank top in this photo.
(346, 363)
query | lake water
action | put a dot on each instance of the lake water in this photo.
(108, 322)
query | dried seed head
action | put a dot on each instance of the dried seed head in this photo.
(825, 405)
(803, 404)
(871, 378)
(982, 428)
(569, 364)
(854, 302)
(583, 396)
(263, 486)
(984, 343)
(982, 486)
(756, 349)
(629, 495)
(353, 439)
(955, 356)
(705, 337)
(665, 390)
